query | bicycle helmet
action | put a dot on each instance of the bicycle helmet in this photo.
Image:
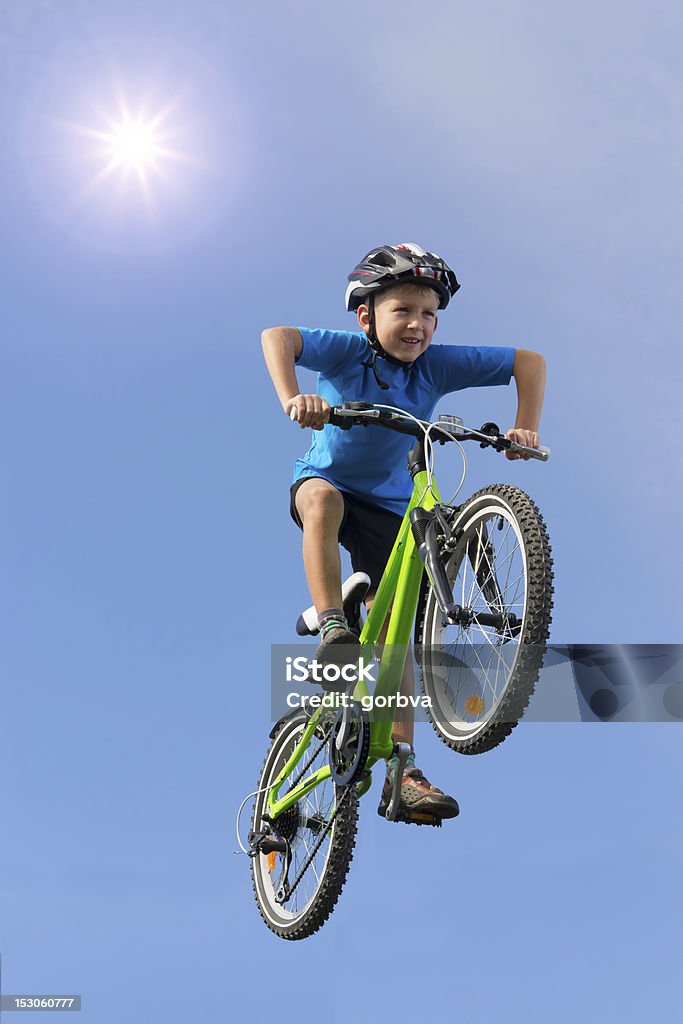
(399, 264)
(391, 265)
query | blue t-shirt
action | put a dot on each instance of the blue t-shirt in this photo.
(371, 462)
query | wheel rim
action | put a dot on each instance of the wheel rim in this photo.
(470, 666)
(312, 811)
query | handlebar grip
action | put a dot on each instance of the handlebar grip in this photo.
(335, 419)
(541, 453)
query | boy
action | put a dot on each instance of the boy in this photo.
(353, 486)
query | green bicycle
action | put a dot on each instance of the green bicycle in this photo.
(479, 617)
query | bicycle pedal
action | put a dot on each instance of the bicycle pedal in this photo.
(415, 818)
(419, 818)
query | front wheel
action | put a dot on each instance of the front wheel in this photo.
(480, 674)
(320, 853)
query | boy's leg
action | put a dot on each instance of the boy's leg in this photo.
(418, 795)
(321, 509)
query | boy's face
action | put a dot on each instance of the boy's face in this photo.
(405, 320)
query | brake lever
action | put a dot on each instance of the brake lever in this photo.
(504, 444)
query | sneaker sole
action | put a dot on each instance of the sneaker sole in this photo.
(420, 814)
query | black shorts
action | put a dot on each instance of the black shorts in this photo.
(367, 532)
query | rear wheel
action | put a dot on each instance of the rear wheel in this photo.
(320, 853)
(480, 674)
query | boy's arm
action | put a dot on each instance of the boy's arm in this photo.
(281, 347)
(529, 372)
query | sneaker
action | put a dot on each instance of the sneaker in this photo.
(339, 646)
(420, 803)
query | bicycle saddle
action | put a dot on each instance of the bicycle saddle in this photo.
(354, 590)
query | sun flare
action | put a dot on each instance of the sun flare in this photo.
(132, 147)
(134, 144)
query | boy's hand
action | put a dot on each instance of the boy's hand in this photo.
(526, 437)
(311, 411)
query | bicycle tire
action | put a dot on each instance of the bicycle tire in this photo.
(300, 921)
(468, 713)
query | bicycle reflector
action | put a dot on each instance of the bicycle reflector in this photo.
(453, 424)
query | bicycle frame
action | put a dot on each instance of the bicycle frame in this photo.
(399, 590)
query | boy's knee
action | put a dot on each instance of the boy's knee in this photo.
(319, 501)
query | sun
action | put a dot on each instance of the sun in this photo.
(132, 146)
(135, 144)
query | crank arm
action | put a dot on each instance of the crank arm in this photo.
(344, 733)
(402, 751)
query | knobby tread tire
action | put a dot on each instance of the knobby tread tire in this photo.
(536, 627)
(338, 861)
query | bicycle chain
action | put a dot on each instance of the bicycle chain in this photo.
(289, 889)
(312, 758)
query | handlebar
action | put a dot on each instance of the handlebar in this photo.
(446, 428)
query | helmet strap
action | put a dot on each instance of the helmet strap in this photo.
(371, 364)
(376, 346)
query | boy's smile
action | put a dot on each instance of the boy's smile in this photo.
(405, 320)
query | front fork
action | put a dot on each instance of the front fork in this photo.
(431, 528)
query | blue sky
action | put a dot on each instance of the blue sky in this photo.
(149, 560)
